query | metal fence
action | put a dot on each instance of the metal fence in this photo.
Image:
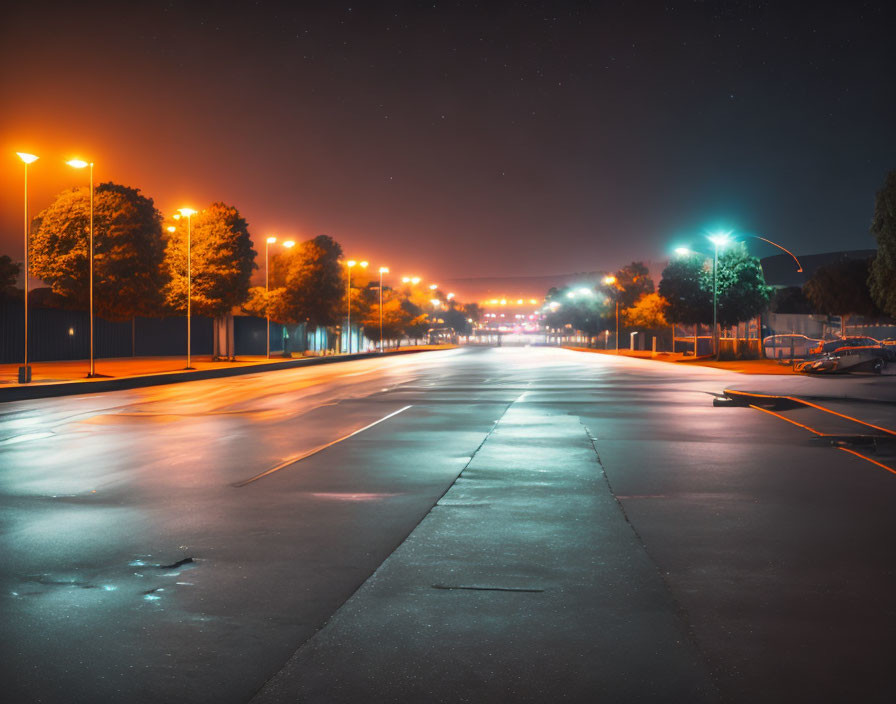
(56, 335)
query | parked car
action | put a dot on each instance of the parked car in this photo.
(847, 354)
(788, 346)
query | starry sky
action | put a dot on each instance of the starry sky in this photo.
(466, 139)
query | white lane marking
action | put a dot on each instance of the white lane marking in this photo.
(297, 458)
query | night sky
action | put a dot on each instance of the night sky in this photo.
(466, 139)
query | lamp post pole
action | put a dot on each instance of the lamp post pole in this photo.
(348, 296)
(25, 370)
(92, 372)
(617, 324)
(267, 289)
(348, 303)
(188, 214)
(189, 281)
(80, 164)
(715, 300)
(383, 270)
(611, 281)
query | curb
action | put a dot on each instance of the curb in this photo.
(73, 388)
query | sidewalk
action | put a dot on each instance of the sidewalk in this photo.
(69, 377)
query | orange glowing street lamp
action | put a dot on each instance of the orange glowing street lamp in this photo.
(267, 289)
(348, 294)
(25, 370)
(80, 164)
(188, 213)
(383, 270)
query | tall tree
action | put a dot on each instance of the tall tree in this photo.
(742, 291)
(633, 281)
(9, 276)
(307, 285)
(790, 300)
(128, 250)
(398, 320)
(842, 289)
(682, 286)
(582, 309)
(882, 278)
(221, 261)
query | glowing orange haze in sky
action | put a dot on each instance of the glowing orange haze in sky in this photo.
(451, 140)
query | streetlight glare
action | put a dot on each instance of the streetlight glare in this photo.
(289, 243)
(415, 280)
(271, 240)
(77, 163)
(171, 228)
(27, 158)
(609, 280)
(364, 265)
(385, 270)
(187, 212)
(351, 262)
(682, 251)
(720, 239)
(449, 296)
(433, 287)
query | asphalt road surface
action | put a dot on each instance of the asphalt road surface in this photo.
(468, 525)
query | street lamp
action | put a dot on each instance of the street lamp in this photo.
(267, 289)
(383, 270)
(348, 295)
(80, 164)
(611, 281)
(25, 370)
(718, 240)
(188, 213)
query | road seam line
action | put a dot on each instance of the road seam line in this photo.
(313, 451)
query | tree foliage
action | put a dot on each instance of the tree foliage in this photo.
(221, 261)
(9, 276)
(790, 300)
(682, 287)
(687, 285)
(882, 278)
(742, 291)
(648, 312)
(585, 310)
(632, 281)
(128, 250)
(398, 320)
(307, 285)
(841, 289)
